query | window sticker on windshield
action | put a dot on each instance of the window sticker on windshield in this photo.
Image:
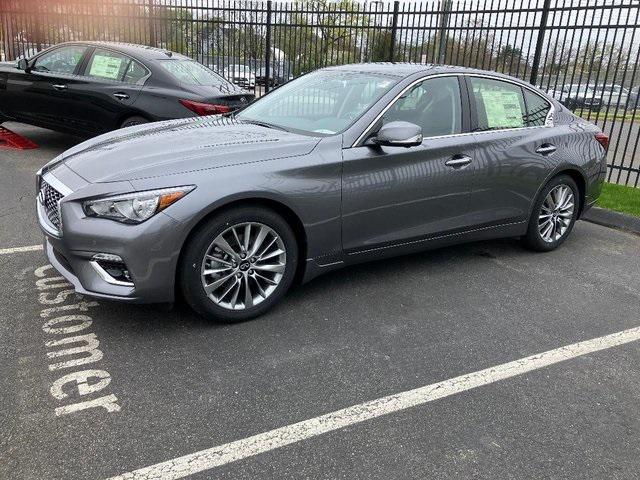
(503, 109)
(105, 67)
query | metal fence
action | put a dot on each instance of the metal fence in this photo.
(584, 52)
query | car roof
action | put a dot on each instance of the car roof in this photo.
(142, 52)
(405, 69)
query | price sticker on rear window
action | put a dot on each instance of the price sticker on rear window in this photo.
(106, 67)
(503, 109)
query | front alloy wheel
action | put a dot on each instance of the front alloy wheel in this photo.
(238, 264)
(243, 266)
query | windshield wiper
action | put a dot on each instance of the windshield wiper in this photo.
(263, 124)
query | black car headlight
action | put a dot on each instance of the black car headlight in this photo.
(135, 207)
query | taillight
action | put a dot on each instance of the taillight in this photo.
(603, 140)
(200, 108)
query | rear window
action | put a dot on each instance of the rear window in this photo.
(191, 73)
(537, 109)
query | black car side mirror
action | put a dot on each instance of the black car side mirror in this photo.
(23, 64)
(398, 134)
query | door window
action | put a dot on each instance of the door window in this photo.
(434, 105)
(108, 65)
(537, 109)
(61, 60)
(498, 104)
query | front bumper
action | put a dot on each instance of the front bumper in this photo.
(150, 251)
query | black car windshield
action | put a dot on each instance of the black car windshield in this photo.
(191, 73)
(323, 102)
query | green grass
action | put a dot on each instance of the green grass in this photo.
(620, 198)
(610, 116)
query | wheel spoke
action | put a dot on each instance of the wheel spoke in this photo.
(214, 271)
(275, 253)
(260, 289)
(223, 245)
(212, 286)
(278, 268)
(262, 234)
(267, 248)
(231, 287)
(234, 298)
(248, 298)
(235, 236)
(247, 237)
(219, 260)
(267, 280)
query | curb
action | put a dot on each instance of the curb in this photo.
(609, 218)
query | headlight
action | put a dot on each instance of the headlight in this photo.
(135, 207)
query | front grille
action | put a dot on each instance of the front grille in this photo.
(50, 197)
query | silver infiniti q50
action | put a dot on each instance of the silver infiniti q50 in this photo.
(339, 166)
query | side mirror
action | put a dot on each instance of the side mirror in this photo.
(22, 64)
(398, 134)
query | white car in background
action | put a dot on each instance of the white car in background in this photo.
(241, 75)
(613, 95)
(577, 96)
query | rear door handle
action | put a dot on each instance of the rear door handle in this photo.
(59, 86)
(546, 149)
(458, 161)
(121, 96)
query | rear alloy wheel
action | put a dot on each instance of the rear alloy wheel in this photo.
(554, 214)
(131, 121)
(239, 264)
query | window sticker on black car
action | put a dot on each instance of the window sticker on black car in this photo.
(106, 66)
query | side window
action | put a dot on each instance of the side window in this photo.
(108, 65)
(135, 72)
(498, 104)
(61, 60)
(434, 105)
(537, 109)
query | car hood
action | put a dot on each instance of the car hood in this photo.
(179, 146)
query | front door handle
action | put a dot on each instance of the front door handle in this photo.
(121, 96)
(458, 161)
(59, 86)
(546, 149)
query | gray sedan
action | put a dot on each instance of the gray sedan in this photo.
(340, 166)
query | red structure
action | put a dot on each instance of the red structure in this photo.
(9, 139)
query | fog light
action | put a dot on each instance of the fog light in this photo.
(111, 269)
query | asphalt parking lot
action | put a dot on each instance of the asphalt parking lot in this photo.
(168, 386)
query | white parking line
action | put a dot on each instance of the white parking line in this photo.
(30, 248)
(231, 452)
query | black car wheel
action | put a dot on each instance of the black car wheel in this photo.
(239, 264)
(554, 214)
(131, 121)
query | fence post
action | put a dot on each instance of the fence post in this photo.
(267, 52)
(394, 28)
(442, 31)
(152, 25)
(539, 42)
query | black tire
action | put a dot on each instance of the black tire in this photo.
(131, 121)
(533, 238)
(190, 278)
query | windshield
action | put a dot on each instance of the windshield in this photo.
(191, 73)
(324, 102)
